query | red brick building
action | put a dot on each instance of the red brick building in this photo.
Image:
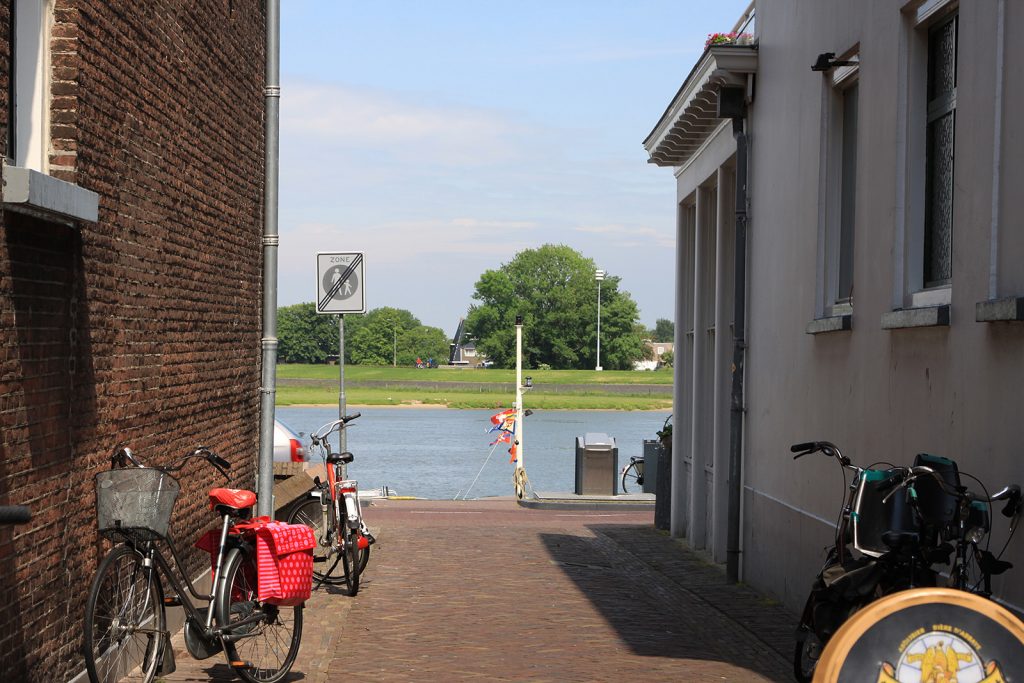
(130, 268)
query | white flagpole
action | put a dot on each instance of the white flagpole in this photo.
(519, 477)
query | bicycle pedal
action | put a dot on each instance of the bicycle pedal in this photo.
(172, 601)
(319, 560)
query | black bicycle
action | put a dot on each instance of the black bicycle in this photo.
(959, 520)
(126, 634)
(874, 553)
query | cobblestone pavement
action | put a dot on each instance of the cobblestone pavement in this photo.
(490, 591)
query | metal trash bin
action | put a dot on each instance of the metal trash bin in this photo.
(597, 465)
(652, 447)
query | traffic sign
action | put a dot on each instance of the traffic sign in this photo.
(339, 283)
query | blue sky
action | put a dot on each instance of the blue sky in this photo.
(440, 138)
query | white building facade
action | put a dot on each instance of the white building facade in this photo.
(882, 275)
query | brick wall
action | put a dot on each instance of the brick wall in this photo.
(144, 327)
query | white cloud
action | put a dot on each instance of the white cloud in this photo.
(629, 236)
(401, 127)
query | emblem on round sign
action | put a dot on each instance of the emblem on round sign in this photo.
(926, 635)
(347, 289)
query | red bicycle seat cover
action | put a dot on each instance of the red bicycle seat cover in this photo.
(233, 498)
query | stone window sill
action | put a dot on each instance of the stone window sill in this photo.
(926, 316)
(1010, 309)
(832, 323)
(46, 197)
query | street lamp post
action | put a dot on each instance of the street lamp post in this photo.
(599, 275)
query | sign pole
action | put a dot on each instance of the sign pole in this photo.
(342, 436)
(340, 290)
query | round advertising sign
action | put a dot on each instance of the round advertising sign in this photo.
(926, 635)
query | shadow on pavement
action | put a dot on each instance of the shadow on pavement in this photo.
(653, 614)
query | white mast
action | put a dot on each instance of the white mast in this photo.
(519, 477)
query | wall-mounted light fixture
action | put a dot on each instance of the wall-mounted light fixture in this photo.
(827, 61)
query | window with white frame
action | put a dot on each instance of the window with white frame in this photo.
(928, 121)
(838, 189)
(30, 89)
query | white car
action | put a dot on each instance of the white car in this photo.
(287, 444)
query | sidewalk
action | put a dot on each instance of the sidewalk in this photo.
(487, 590)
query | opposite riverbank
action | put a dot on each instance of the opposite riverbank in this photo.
(474, 388)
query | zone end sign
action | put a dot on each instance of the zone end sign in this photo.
(339, 283)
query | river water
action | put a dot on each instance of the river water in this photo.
(437, 453)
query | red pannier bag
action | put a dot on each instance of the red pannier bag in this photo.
(284, 563)
(284, 559)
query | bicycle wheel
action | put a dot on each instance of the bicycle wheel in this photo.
(262, 651)
(310, 513)
(806, 655)
(124, 620)
(633, 478)
(350, 561)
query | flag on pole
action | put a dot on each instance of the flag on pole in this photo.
(505, 424)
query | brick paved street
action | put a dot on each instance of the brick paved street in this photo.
(486, 590)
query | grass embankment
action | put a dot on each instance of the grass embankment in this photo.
(593, 395)
(363, 373)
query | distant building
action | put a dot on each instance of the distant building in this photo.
(468, 356)
(657, 349)
(130, 280)
(883, 279)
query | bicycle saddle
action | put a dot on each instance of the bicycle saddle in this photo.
(345, 457)
(237, 499)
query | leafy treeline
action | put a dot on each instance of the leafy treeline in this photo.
(554, 289)
(380, 337)
(664, 331)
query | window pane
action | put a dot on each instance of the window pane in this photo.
(938, 236)
(942, 60)
(939, 151)
(849, 193)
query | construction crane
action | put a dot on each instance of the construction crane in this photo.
(456, 343)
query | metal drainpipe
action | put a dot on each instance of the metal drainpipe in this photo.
(272, 112)
(732, 563)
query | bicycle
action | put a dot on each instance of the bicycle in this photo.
(883, 532)
(954, 513)
(335, 515)
(632, 475)
(126, 635)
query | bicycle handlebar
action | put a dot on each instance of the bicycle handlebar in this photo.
(826, 447)
(15, 514)
(123, 454)
(318, 437)
(1011, 494)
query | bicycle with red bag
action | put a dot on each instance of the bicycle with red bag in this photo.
(262, 576)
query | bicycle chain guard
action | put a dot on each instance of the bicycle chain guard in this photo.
(197, 644)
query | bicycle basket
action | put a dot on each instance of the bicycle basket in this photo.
(135, 502)
(872, 518)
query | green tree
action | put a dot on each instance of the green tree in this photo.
(667, 359)
(303, 336)
(664, 330)
(553, 288)
(384, 334)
